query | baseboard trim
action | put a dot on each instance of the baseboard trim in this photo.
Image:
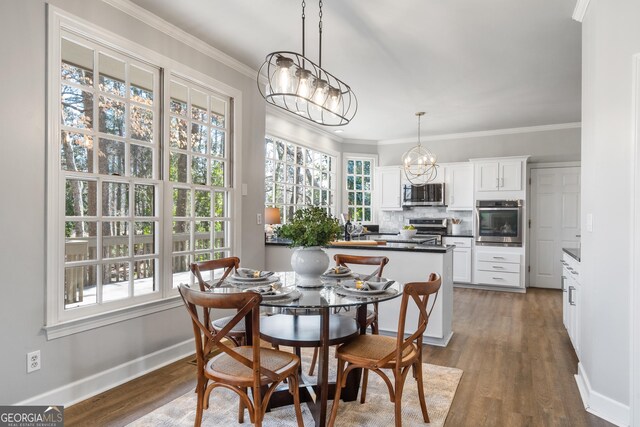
(600, 405)
(92, 385)
(440, 342)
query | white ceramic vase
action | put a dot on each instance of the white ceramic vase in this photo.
(309, 263)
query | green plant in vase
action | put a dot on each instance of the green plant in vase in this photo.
(311, 226)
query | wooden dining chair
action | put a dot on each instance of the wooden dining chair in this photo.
(372, 315)
(230, 264)
(238, 368)
(376, 352)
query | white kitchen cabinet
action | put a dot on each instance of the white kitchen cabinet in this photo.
(461, 258)
(499, 175)
(459, 186)
(571, 299)
(389, 188)
(499, 267)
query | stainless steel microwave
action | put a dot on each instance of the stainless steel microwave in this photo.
(499, 222)
(423, 195)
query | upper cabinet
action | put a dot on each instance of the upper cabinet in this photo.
(389, 188)
(459, 186)
(499, 174)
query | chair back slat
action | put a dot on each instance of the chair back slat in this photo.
(229, 264)
(344, 260)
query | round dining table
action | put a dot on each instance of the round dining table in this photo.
(302, 315)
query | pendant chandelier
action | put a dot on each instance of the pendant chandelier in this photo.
(298, 85)
(419, 163)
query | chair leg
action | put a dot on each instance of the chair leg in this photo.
(294, 389)
(241, 409)
(336, 399)
(398, 397)
(314, 360)
(199, 408)
(365, 380)
(423, 403)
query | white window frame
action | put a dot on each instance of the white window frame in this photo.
(58, 323)
(343, 183)
(335, 172)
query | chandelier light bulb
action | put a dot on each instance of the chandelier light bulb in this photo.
(333, 100)
(284, 78)
(320, 94)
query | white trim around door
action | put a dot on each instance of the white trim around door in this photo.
(635, 249)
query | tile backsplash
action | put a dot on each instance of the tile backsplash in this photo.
(394, 220)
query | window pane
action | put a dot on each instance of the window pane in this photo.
(111, 113)
(291, 153)
(269, 149)
(221, 226)
(79, 286)
(199, 170)
(141, 85)
(80, 198)
(359, 167)
(77, 108)
(178, 107)
(141, 161)
(115, 281)
(203, 235)
(280, 150)
(76, 152)
(202, 203)
(220, 204)
(141, 124)
(350, 183)
(218, 138)
(202, 257)
(218, 108)
(181, 236)
(77, 63)
(178, 167)
(144, 238)
(359, 198)
(367, 183)
(367, 167)
(279, 193)
(268, 191)
(351, 198)
(199, 138)
(198, 106)
(144, 200)
(111, 75)
(111, 157)
(358, 183)
(115, 239)
(179, 95)
(80, 240)
(299, 195)
(180, 268)
(178, 133)
(288, 195)
(181, 202)
(115, 199)
(290, 174)
(367, 214)
(269, 170)
(217, 173)
(367, 199)
(143, 278)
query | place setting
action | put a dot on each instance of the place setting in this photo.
(365, 287)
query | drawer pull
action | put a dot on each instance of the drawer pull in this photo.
(497, 278)
(458, 243)
(498, 266)
(498, 257)
(574, 272)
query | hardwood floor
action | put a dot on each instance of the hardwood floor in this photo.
(517, 359)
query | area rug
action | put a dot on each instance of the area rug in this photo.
(440, 387)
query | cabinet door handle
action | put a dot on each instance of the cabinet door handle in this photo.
(562, 279)
(571, 301)
(497, 183)
(501, 182)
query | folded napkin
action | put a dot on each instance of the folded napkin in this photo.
(250, 273)
(341, 269)
(262, 290)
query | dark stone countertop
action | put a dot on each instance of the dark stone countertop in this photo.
(573, 253)
(465, 235)
(406, 247)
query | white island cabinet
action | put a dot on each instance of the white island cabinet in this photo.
(404, 266)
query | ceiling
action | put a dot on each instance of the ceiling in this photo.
(471, 65)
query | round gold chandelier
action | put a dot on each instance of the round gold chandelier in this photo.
(419, 163)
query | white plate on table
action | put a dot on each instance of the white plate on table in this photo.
(250, 279)
(277, 294)
(350, 287)
(263, 281)
(337, 276)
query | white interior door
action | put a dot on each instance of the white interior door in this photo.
(555, 222)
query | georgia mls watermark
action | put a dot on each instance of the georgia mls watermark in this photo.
(31, 416)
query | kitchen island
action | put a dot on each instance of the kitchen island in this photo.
(407, 263)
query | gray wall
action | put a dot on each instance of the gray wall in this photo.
(22, 215)
(547, 146)
(610, 38)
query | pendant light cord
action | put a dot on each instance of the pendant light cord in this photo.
(320, 31)
(419, 118)
(303, 17)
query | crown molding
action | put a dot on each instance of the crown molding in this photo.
(477, 134)
(179, 34)
(291, 118)
(580, 10)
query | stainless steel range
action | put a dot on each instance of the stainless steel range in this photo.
(433, 228)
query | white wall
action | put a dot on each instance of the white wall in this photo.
(610, 37)
(22, 214)
(561, 145)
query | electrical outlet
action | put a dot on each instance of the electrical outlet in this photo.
(33, 361)
(259, 219)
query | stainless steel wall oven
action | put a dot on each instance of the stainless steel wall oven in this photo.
(499, 222)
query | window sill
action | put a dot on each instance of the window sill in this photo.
(97, 321)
